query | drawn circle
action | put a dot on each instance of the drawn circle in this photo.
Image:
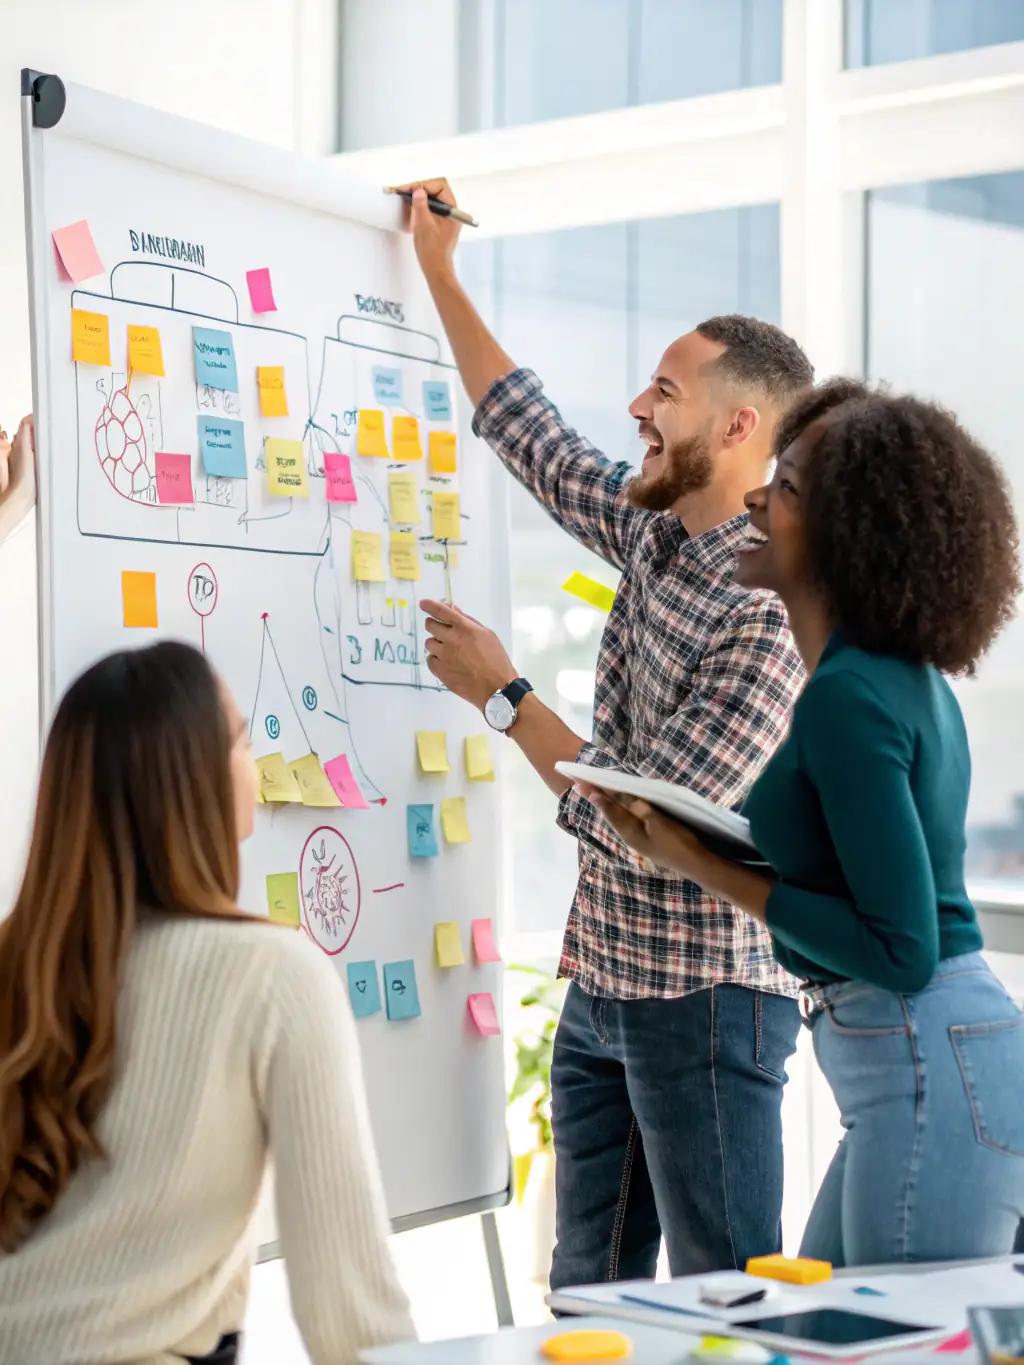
(273, 727)
(203, 590)
(309, 698)
(329, 885)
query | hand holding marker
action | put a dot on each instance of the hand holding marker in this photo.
(435, 205)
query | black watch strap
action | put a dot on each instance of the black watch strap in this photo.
(516, 690)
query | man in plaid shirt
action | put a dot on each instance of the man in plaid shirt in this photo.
(670, 1056)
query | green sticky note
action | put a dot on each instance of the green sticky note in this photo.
(283, 898)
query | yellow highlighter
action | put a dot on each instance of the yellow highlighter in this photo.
(587, 1345)
(790, 1269)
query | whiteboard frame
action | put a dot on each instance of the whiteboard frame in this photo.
(136, 130)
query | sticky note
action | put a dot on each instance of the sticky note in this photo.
(448, 944)
(283, 897)
(387, 385)
(404, 552)
(286, 468)
(590, 591)
(346, 788)
(403, 499)
(273, 396)
(90, 337)
(479, 766)
(791, 1269)
(447, 524)
(483, 1012)
(368, 557)
(215, 359)
(400, 991)
(313, 783)
(587, 1345)
(454, 821)
(145, 354)
(442, 452)
(338, 473)
(432, 747)
(437, 400)
(420, 825)
(963, 1341)
(405, 439)
(483, 941)
(77, 251)
(370, 438)
(277, 781)
(138, 599)
(222, 446)
(363, 988)
(261, 292)
(173, 478)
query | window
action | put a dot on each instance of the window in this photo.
(880, 31)
(591, 310)
(557, 58)
(945, 292)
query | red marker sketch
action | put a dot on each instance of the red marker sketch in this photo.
(379, 890)
(121, 449)
(203, 591)
(331, 896)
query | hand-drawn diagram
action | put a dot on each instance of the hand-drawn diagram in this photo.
(203, 591)
(331, 894)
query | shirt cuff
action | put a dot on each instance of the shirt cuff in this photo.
(577, 816)
(503, 399)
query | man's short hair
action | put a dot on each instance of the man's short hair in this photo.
(758, 356)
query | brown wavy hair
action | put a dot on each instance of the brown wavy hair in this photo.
(135, 809)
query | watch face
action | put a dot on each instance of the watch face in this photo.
(499, 712)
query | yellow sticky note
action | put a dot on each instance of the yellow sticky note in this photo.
(403, 498)
(368, 557)
(442, 452)
(273, 397)
(587, 1346)
(405, 555)
(283, 898)
(313, 783)
(138, 599)
(90, 337)
(432, 747)
(405, 439)
(277, 782)
(447, 525)
(145, 354)
(590, 591)
(370, 439)
(479, 766)
(454, 821)
(286, 468)
(448, 945)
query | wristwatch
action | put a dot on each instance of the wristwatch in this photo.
(501, 710)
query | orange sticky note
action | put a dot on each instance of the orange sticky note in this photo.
(790, 1269)
(77, 251)
(484, 1013)
(442, 452)
(145, 354)
(90, 337)
(370, 439)
(405, 439)
(138, 598)
(273, 397)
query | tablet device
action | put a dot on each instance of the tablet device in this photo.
(998, 1334)
(833, 1332)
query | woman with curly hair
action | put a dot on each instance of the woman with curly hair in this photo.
(890, 536)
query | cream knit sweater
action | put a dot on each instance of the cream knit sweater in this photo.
(235, 1041)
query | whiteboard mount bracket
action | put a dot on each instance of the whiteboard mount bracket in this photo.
(49, 98)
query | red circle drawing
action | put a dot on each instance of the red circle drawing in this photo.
(121, 449)
(331, 895)
(203, 590)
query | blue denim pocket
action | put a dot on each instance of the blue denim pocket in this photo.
(991, 1061)
(860, 1010)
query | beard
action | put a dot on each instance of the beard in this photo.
(687, 470)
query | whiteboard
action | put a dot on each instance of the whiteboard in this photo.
(264, 584)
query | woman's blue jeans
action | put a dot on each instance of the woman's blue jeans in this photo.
(930, 1088)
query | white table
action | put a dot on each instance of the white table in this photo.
(521, 1346)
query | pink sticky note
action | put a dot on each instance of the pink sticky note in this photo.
(173, 478)
(963, 1341)
(77, 251)
(483, 941)
(346, 788)
(261, 293)
(338, 470)
(485, 1016)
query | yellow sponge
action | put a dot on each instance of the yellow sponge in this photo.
(791, 1269)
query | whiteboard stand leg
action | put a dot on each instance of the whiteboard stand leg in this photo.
(496, 1265)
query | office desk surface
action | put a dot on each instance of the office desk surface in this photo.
(521, 1346)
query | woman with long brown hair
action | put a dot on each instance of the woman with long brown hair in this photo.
(157, 1045)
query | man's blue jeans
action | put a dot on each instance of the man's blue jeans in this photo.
(667, 1120)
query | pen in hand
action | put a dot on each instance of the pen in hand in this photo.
(437, 206)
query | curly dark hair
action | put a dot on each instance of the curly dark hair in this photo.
(909, 525)
(758, 356)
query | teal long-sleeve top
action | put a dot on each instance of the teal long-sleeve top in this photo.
(861, 813)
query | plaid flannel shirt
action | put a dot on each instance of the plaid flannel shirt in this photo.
(695, 681)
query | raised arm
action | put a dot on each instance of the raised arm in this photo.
(17, 477)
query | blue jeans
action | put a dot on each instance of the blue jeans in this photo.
(930, 1088)
(667, 1120)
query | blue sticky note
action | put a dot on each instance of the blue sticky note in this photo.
(387, 384)
(215, 358)
(222, 446)
(422, 839)
(437, 400)
(400, 990)
(363, 988)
